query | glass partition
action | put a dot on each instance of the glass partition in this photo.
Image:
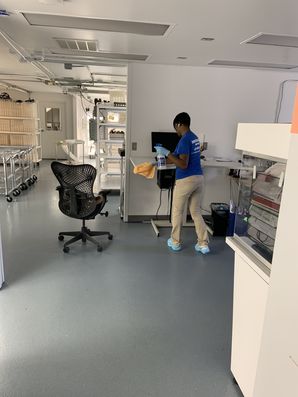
(260, 192)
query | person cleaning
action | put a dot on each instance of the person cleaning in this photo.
(189, 184)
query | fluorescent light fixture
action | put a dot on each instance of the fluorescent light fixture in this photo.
(83, 55)
(106, 25)
(280, 40)
(244, 64)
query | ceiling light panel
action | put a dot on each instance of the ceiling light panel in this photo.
(107, 25)
(273, 39)
(259, 65)
(97, 55)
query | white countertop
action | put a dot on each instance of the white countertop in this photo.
(135, 160)
(251, 259)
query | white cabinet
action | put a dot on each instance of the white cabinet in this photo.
(266, 148)
(111, 129)
(19, 126)
(250, 297)
(277, 373)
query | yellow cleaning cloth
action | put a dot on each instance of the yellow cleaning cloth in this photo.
(145, 169)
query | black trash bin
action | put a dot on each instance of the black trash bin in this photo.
(220, 218)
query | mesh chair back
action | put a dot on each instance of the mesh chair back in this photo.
(76, 198)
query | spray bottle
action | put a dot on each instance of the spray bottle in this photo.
(161, 160)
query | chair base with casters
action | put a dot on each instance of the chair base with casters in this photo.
(84, 234)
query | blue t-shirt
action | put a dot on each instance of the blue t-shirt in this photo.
(189, 144)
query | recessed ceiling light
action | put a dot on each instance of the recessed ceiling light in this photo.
(181, 57)
(105, 25)
(244, 64)
(207, 39)
(281, 40)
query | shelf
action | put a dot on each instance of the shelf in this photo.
(117, 108)
(18, 118)
(116, 141)
(110, 172)
(112, 125)
(20, 132)
(107, 157)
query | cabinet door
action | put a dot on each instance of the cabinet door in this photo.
(250, 296)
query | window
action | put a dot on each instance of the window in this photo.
(53, 119)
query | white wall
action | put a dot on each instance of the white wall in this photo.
(81, 121)
(14, 94)
(216, 99)
(67, 119)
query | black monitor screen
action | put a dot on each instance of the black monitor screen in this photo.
(168, 140)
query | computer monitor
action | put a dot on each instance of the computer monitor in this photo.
(168, 140)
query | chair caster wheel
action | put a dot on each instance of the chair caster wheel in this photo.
(66, 249)
(60, 237)
(99, 248)
(110, 237)
(8, 199)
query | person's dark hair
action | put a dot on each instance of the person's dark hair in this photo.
(182, 118)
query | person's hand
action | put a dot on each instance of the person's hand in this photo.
(162, 150)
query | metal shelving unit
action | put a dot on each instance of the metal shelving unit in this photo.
(19, 126)
(108, 119)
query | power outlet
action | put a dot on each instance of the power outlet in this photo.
(134, 146)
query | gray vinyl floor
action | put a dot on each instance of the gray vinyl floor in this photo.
(133, 321)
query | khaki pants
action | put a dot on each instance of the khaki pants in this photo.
(188, 189)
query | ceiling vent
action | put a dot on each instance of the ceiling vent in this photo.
(258, 65)
(77, 44)
(106, 25)
(273, 39)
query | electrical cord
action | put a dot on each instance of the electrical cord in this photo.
(280, 99)
(168, 209)
(160, 196)
(86, 99)
(83, 107)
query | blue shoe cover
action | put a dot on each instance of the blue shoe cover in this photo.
(202, 249)
(173, 246)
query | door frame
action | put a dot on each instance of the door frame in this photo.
(46, 153)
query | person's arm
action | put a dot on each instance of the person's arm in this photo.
(181, 161)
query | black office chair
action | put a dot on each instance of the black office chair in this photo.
(76, 200)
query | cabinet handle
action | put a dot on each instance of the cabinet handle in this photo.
(254, 172)
(281, 179)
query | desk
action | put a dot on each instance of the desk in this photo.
(135, 160)
(216, 163)
(68, 146)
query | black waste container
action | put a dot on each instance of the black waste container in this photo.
(220, 218)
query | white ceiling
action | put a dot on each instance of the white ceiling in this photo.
(229, 22)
